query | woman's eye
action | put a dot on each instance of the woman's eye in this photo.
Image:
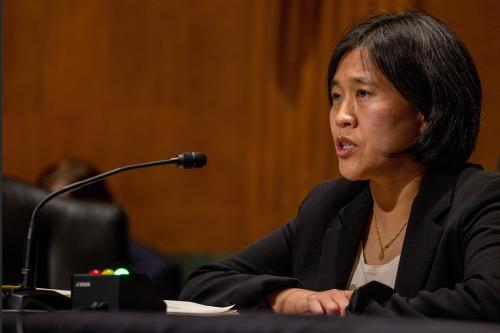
(362, 93)
(336, 97)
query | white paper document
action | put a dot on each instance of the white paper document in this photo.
(190, 308)
(181, 307)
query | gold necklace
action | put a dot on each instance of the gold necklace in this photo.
(381, 254)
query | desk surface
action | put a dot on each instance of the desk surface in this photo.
(123, 322)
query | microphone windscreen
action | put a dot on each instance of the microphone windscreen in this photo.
(191, 160)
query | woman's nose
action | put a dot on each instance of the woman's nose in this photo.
(345, 116)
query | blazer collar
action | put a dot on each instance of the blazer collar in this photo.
(342, 240)
(424, 231)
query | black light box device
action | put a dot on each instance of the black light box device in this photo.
(115, 292)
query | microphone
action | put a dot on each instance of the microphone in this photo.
(186, 160)
(191, 160)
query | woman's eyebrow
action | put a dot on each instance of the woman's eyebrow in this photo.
(365, 79)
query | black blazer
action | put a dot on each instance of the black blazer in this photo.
(449, 266)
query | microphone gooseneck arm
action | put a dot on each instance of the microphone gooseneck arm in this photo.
(185, 160)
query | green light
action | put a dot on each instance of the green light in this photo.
(122, 271)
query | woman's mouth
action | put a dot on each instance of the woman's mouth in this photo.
(345, 147)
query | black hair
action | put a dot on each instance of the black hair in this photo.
(431, 68)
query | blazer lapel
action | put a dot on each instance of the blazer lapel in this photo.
(341, 242)
(424, 232)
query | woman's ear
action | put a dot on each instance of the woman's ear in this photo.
(421, 123)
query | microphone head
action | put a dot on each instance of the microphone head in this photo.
(191, 160)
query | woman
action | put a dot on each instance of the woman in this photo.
(410, 229)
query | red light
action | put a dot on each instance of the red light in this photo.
(95, 271)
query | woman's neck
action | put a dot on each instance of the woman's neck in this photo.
(395, 193)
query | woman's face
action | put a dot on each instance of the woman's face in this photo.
(369, 119)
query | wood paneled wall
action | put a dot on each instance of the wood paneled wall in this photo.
(118, 82)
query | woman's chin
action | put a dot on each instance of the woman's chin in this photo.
(350, 176)
(350, 173)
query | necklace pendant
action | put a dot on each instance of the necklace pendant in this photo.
(381, 255)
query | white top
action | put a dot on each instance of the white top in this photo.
(364, 273)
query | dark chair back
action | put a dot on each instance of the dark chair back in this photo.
(75, 236)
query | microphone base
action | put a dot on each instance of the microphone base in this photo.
(32, 299)
(133, 292)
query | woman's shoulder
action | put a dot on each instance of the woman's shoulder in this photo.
(334, 193)
(473, 178)
(477, 192)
